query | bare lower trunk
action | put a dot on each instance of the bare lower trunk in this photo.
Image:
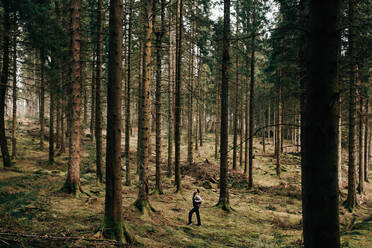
(142, 201)
(14, 119)
(127, 102)
(98, 104)
(114, 226)
(224, 201)
(177, 115)
(72, 184)
(367, 142)
(361, 143)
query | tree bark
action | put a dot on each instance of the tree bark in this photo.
(171, 78)
(114, 223)
(251, 104)
(98, 104)
(142, 201)
(51, 124)
(127, 103)
(42, 99)
(72, 184)
(14, 119)
(366, 141)
(159, 54)
(351, 197)
(320, 184)
(224, 201)
(278, 136)
(361, 142)
(177, 114)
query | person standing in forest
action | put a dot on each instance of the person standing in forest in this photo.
(196, 202)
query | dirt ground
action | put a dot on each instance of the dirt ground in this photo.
(34, 213)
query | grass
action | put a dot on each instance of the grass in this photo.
(269, 215)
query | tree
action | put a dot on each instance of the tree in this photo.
(224, 201)
(98, 88)
(72, 184)
(4, 84)
(142, 201)
(127, 103)
(351, 194)
(171, 79)
(114, 226)
(251, 103)
(320, 184)
(14, 119)
(177, 112)
(158, 45)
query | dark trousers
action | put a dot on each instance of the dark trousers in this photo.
(192, 211)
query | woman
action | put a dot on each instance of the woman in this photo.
(196, 202)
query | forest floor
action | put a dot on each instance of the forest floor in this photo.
(34, 213)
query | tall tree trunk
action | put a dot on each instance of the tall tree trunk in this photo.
(159, 55)
(14, 119)
(139, 105)
(142, 201)
(42, 99)
(235, 124)
(361, 142)
(190, 108)
(170, 88)
(251, 105)
(246, 123)
(218, 115)
(320, 186)
(72, 184)
(366, 141)
(351, 197)
(278, 136)
(177, 113)
(114, 223)
(339, 139)
(127, 103)
(200, 102)
(51, 125)
(224, 201)
(98, 113)
(93, 98)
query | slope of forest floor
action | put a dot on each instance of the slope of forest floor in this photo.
(34, 213)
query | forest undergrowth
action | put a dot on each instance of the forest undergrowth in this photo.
(35, 213)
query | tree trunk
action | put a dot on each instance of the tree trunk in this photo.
(235, 124)
(159, 55)
(177, 114)
(142, 201)
(190, 108)
(251, 105)
(14, 119)
(93, 98)
(72, 184)
(361, 142)
(247, 133)
(139, 104)
(42, 100)
(278, 136)
(339, 138)
(114, 223)
(170, 89)
(366, 141)
(98, 114)
(224, 201)
(51, 124)
(351, 197)
(320, 186)
(127, 103)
